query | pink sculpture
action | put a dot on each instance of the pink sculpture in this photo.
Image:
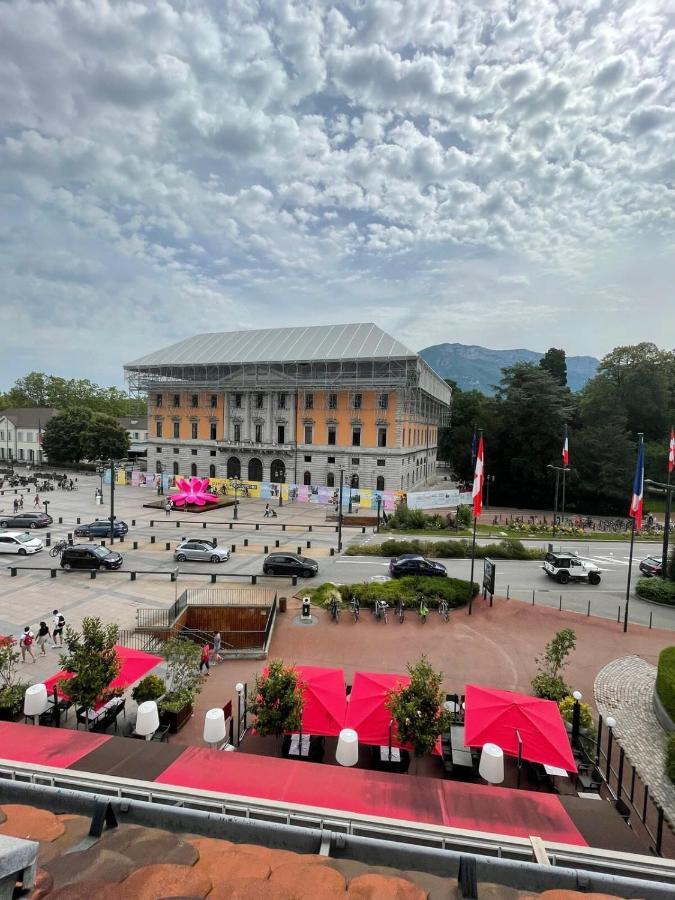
(192, 492)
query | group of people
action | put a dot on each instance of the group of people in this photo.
(41, 637)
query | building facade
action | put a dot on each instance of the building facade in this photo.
(136, 428)
(21, 432)
(294, 405)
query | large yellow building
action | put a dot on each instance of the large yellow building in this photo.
(294, 405)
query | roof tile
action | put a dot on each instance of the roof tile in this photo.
(160, 881)
(310, 882)
(30, 823)
(382, 887)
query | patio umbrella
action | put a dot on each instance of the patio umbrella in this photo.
(367, 713)
(134, 665)
(324, 700)
(493, 717)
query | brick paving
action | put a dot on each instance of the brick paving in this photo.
(624, 689)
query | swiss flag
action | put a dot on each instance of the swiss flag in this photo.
(566, 450)
(477, 492)
(671, 452)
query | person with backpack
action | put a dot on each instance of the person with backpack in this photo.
(42, 638)
(26, 644)
(58, 622)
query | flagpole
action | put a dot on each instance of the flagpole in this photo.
(473, 541)
(666, 528)
(632, 544)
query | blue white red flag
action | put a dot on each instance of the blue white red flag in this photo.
(566, 450)
(635, 511)
(477, 492)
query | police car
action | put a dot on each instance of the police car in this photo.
(566, 567)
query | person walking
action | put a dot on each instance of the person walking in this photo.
(204, 663)
(21, 502)
(36, 501)
(42, 638)
(167, 506)
(26, 644)
(58, 621)
(16, 506)
(267, 512)
(217, 640)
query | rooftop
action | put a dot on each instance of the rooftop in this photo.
(29, 417)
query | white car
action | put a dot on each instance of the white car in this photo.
(566, 567)
(202, 551)
(20, 542)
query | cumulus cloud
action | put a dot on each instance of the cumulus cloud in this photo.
(473, 171)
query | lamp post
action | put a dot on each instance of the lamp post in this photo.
(557, 470)
(45, 503)
(576, 718)
(342, 478)
(112, 501)
(235, 515)
(668, 488)
(349, 508)
(160, 472)
(379, 510)
(242, 690)
(611, 724)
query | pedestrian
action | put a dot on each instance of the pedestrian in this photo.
(16, 506)
(42, 638)
(36, 501)
(217, 640)
(267, 512)
(58, 621)
(21, 502)
(204, 663)
(26, 644)
(167, 506)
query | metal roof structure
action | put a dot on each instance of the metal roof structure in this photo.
(312, 343)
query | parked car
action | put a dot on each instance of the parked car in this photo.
(651, 565)
(201, 551)
(101, 528)
(290, 564)
(414, 564)
(20, 542)
(90, 556)
(566, 567)
(26, 520)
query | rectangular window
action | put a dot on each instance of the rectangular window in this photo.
(383, 401)
(281, 401)
(357, 401)
(158, 429)
(193, 452)
(308, 434)
(332, 434)
(281, 434)
(380, 462)
(159, 399)
(355, 460)
(259, 399)
(158, 449)
(309, 401)
(237, 401)
(258, 434)
(176, 399)
(237, 432)
(332, 401)
(212, 432)
(176, 429)
(308, 459)
(331, 459)
(212, 452)
(214, 401)
(194, 400)
(381, 437)
(19, 436)
(135, 435)
(175, 450)
(194, 430)
(356, 437)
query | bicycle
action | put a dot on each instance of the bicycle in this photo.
(443, 609)
(423, 612)
(335, 609)
(355, 608)
(58, 548)
(400, 611)
(380, 610)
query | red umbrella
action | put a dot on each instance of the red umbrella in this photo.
(134, 665)
(494, 716)
(324, 700)
(367, 713)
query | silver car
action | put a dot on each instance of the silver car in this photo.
(201, 551)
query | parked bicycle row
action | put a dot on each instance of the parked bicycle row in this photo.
(381, 610)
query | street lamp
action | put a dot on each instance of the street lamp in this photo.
(668, 488)
(45, 503)
(242, 692)
(236, 511)
(611, 724)
(342, 479)
(576, 718)
(160, 472)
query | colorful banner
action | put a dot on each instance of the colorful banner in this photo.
(437, 499)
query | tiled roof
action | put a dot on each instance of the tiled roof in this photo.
(29, 417)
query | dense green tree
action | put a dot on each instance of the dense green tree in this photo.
(104, 438)
(555, 362)
(92, 658)
(470, 410)
(417, 709)
(62, 441)
(39, 389)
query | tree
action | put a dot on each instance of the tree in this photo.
(92, 659)
(417, 709)
(277, 700)
(555, 363)
(63, 435)
(470, 410)
(182, 665)
(39, 389)
(12, 688)
(548, 682)
(104, 438)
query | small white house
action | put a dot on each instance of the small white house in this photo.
(137, 429)
(21, 431)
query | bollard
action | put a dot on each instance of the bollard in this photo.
(650, 619)
(204, 525)
(133, 522)
(230, 524)
(52, 573)
(173, 576)
(294, 580)
(70, 538)
(589, 608)
(92, 574)
(213, 577)
(560, 604)
(299, 551)
(135, 545)
(257, 526)
(102, 543)
(77, 521)
(309, 544)
(48, 540)
(533, 597)
(234, 548)
(177, 524)
(332, 551)
(283, 528)
(214, 541)
(363, 529)
(254, 579)
(167, 546)
(152, 523)
(618, 615)
(12, 572)
(121, 539)
(60, 520)
(508, 589)
(132, 576)
(245, 542)
(266, 549)
(276, 544)
(152, 538)
(310, 529)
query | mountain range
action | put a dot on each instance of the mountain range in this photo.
(479, 368)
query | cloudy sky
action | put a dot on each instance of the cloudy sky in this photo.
(498, 172)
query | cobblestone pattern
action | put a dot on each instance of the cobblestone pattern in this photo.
(623, 689)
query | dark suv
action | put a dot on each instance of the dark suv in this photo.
(90, 556)
(101, 528)
(26, 520)
(651, 565)
(290, 564)
(414, 564)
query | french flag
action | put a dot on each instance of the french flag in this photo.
(566, 450)
(477, 492)
(671, 452)
(635, 511)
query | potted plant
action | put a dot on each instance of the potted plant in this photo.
(92, 659)
(151, 687)
(548, 683)
(182, 682)
(277, 700)
(12, 690)
(417, 709)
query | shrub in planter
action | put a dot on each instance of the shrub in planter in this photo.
(657, 590)
(566, 707)
(549, 687)
(665, 680)
(150, 688)
(11, 700)
(548, 683)
(12, 690)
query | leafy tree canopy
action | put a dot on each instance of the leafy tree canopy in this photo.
(92, 658)
(555, 363)
(417, 709)
(78, 434)
(39, 389)
(277, 700)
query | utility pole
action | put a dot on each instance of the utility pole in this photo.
(112, 501)
(668, 488)
(640, 475)
(342, 477)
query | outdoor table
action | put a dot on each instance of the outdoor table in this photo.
(395, 755)
(461, 754)
(556, 772)
(295, 749)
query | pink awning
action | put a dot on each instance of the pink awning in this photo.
(134, 665)
(494, 716)
(325, 700)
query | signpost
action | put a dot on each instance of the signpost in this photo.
(489, 572)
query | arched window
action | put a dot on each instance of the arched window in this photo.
(212, 471)
(278, 471)
(176, 469)
(307, 478)
(255, 470)
(233, 467)
(330, 479)
(354, 480)
(379, 484)
(193, 469)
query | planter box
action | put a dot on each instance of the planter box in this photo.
(10, 713)
(175, 721)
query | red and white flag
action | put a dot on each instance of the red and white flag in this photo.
(671, 452)
(566, 450)
(477, 492)
(635, 511)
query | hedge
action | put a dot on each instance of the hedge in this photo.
(665, 680)
(460, 549)
(657, 590)
(409, 589)
(670, 758)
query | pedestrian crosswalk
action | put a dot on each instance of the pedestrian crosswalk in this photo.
(611, 559)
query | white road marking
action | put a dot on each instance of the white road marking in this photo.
(607, 559)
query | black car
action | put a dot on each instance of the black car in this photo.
(414, 564)
(652, 565)
(26, 520)
(101, 528)
(90, 556)
(290, 564)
